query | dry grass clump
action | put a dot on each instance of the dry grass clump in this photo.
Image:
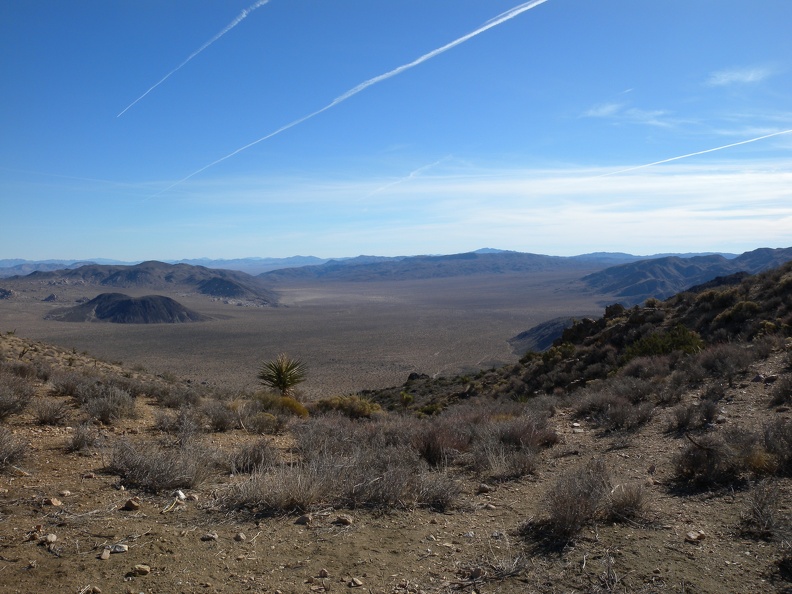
(628, 502)
(726, 361)
(707, 461)
(15, 395)
(50, 411)
(285, 488)
(84, 437)
(280, 404)
(761, 517)
(439, 442)
(185, 424)
(12, 450)
(577, 497)
(221, 415)
(614, 412)
(107, 403)
(154, 469)
(781, 392)
(70, 383)
(254, 457)
(171, 396)
(354, 407)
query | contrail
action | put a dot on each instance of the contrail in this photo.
(413, 174)
(501, 18)
(241, 17)
(718, 148)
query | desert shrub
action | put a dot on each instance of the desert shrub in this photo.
(664, 342)
(436, 490)
(647, 367)
(525, 432)
(264, 423)
(708, 461)
(221, 415)
(499, 462)
(156, 469)
(714, 393)
(440, 442)
(282, 373)
(352, 406)
(253, 457)
(108, 404)
(761, 517)
(613, 412)
(15, 395)
(725, 361)
(50, 411)
(85, 436)
(173, 396)
(186, 424)
(781, 392)
(777, 440)
(284, 488)
(628, 502)
(12, 450)
(19, 369)
(633, 389)
(281, 404)
(577, 499)
(68, 383)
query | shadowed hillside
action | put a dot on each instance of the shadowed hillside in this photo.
(118, 308)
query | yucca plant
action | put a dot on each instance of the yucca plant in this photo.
(282, 374)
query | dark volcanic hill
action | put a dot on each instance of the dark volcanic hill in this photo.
(159, 275)
(662, 277)
(118, 308)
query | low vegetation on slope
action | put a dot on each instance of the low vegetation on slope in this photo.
(649, 450)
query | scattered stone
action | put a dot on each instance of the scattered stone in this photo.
(497, 535)
(89, 475)
(95, 590)
(695, 536)
(355, 583)
(131, 504)
(64, 493)
(105, 554)
(343, 520)
(142, 569)
(192, 497)
(53, 502)
(209, 536)
(179, 495)
(477, 573)
(578, 430)
(3, 491)
(782, 409)
(770, 379)
(119, 548)
(721, 419)
(489, 506)
(470, 534)
(323, 573)
(240, 537)
(49, 538)
(483, 488)
(758, 378)
(576, 424)
(304, 520)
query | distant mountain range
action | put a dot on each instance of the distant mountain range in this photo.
(160, 275)
(621, 277)
(662, 277)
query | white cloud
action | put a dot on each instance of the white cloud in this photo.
(738, 76)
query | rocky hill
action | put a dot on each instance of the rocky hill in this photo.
(662, 277)
(161, 276)
(118, 308)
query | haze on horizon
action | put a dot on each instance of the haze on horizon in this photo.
(141, 130)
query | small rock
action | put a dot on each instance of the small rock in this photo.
(781, 409)
(304, 520)
(355, 583)
(142, 569)
(497, 534)
(578, 430)
(89, 475)
(489, 506)
(323, 573)
(483, 488)
(477, 573)
(192, 497)
(95, 590)
(3, 491)
(131, 504)
(343, 520)
(240, 537)
(470, 534)
(210, 536)
(695, 536)
(53, 502)
(64, 493)
(49, 538)
(758, 378)
(105, 554)
(721, 419)
(179, 495)
(119, 548)
(576, 424)
(771, 379)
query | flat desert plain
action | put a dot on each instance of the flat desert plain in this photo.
(352, 336)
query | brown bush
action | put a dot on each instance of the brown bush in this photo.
(15, 395)
(12, 450)
(708, 461)
(156, 469)
(50, 411)
(254, 457)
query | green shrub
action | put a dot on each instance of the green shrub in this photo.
(353, 407)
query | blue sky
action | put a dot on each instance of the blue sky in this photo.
(511, 138)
